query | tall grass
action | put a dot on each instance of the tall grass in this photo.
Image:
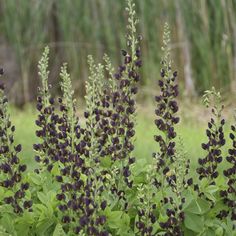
(77, 28)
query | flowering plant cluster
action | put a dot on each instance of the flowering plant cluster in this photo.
(86, 180)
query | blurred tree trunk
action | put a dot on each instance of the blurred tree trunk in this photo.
(25, 81)
(182, 35)
(233, 26)
(10, 65)
(57, 50)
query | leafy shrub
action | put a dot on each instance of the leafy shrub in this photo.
(87, 182)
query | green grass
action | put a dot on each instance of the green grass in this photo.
(192, 134)
(25, 132)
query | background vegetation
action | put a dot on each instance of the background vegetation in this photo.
(204, 40)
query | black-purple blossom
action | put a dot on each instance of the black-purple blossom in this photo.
(166, 110)
(208, 165)
(11, 168)
(229, 195)
(47, 122)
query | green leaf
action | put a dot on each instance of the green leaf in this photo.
(8, 223)
(125, 225)
(118, 220)
(114, 219)
(136, 220)
(140, 178)
(55, 170)
(42, 197)
(188, 232)
(210, 232)
(59, 230)
(219, 231)
(219, 206)
(35, 178)
(22, 229)
(106, 162)
(189, 196)
(163, 217)
(3, 231)
(220, 181)
(209, 192)
(8, 193)
(228, 227)
(210, 196)
(193, 207)
(1, 193)
(194, 222)
(156, 227)
(212, 189)
(204, 205)
(6, 209)
(83, 177)
(204, 183)
(48, 200)
(43, 225)
(125, 220)
(44, 212)
(26, 219)
(199, 206)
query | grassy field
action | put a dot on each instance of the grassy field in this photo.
(191, 132)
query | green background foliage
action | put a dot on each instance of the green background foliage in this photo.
(204, 35)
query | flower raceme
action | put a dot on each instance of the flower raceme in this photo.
(12, 169)
(209, 164)
(166, 110)
(229, 195)
(46, 151)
